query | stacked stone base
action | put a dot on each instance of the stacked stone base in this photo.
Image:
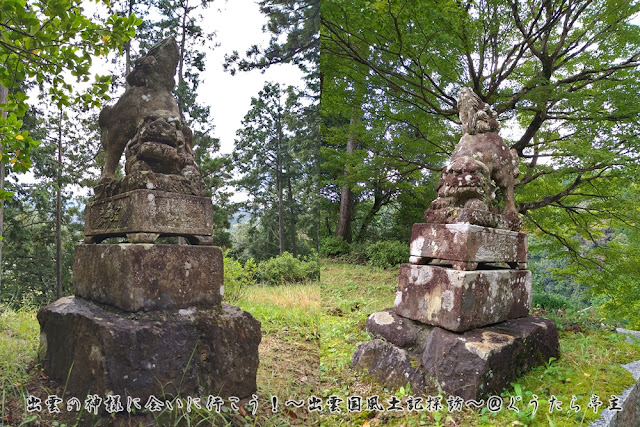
(100, 350)
(147, 319)
(459, 321)
(473, 365)
(141, 276)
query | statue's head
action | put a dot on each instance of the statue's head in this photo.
(161, 127)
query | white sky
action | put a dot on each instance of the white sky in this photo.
(238, 25)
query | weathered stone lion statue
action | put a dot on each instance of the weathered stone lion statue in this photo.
(146, 125)
(480, 162)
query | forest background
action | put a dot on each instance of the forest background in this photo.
(343, 166)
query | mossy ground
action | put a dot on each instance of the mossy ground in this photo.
(310, 332)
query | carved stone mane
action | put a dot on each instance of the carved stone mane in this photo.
(476, 116)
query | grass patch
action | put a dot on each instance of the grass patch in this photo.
(19, 334)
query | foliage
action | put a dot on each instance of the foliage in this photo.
(47, 42)
(286, 268)
(550, 301)
(271, 158)
(294, 29)
(299, 22)
(238, 277)
(334, 246)
(616, 285)
(18, 336)
(387, 254)
(29, 244)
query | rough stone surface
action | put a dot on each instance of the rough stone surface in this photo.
(462, 300)
(630, 398)
(482, 362)
(146, 125)
(480, 160)
(149, 211)
(397, 330)
(187, 352)
(468, 243)
(390, 364)
(148, 97)
(136, 277)
(146, 180)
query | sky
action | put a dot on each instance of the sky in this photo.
(238, 25)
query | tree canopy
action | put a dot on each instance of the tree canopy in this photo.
(50, 43)
(563, 76)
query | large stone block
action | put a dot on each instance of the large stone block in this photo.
(462, 300)
(150, 212)
(193, 352)
(390, 364)
(136, 277)
(484, 361)
(397, 330)
(466, 245)
(472, 365)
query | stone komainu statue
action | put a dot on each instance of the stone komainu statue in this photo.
(480, 162)
(146, 125)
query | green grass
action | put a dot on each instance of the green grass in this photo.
(310, 332)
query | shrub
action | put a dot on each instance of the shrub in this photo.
(357, 254)
(237, 277)
(334, 246)
(550, 301)
(387, 254)
(288, 269)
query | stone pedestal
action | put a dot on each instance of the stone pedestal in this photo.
(143, 215)
(146, 277)
(195, 352)
(147, 318)
(465, 245)
(473, 365)
(461, 316)
(462, 300)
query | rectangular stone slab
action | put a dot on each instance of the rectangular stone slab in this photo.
(149, 211)
(191, 352)
(467, 243)
(136, 277)
(482, 362)
(462, 300)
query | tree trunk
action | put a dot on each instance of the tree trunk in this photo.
(346, 196)
(294, 247)
(379, 200)
(127, 50)
(4, 94)
(183, 41)
(59, 212)
(279, 185)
